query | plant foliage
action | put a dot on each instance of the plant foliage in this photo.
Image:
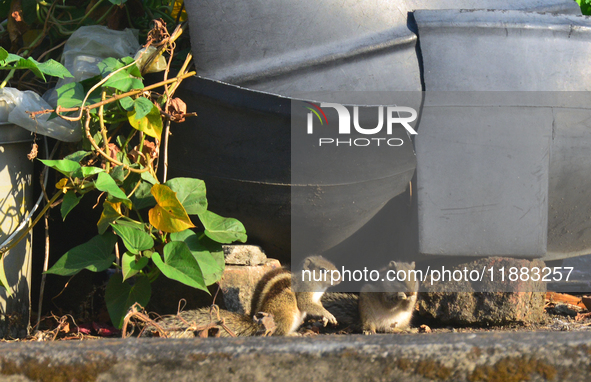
(150, 220)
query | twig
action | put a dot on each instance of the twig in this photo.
(45, 266)
(136, 311)
(117, 256)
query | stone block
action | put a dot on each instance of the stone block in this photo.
(244, 255)
(486, 302)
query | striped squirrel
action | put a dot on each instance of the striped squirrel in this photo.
(382, 306)
(273, 294)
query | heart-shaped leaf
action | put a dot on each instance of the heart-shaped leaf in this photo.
(142, 107)
(65, 166)
(168, 215)
(120, 296)
(180, 265)
(104, 182)
(150, 124)
(135, 240)
(95, 255)
(131, 265)
(70, 201)
(222, 230)
(191, 193)
(209, 254)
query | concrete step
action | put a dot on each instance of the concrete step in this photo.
(493, 356)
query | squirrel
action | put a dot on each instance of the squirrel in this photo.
(273, 295)
(387, 306)
(382, 306)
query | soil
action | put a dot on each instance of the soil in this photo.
(557, 317)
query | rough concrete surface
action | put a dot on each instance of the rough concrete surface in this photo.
(241, 254)
(506, 356)
(485, 301)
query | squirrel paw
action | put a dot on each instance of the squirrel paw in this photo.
(369, 332)
(329, 318)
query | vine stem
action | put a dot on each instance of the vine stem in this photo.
(96, 86)
(100, 151)
(33, 114)
(104, 131)
(170, 92)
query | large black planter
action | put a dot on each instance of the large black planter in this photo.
(240, 145)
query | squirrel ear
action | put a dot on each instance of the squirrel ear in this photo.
(412, 265)
(392, 264)
(306, 264)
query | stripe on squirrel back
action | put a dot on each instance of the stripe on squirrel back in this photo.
(266, 289)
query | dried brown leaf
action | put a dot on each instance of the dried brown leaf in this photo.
(177, 109)
(16, 25)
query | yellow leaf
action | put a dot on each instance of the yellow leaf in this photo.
(168, 215)
(111, 212)
(151, 124)
(178, 5)
(61, 185)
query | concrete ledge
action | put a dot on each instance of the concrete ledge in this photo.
(506, 356)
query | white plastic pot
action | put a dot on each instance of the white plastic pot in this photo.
(16, 178)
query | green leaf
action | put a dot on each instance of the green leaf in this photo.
(105, 183)
(70, 95)
(209, 254)
(131, 265)
(119, 173)
(95, 255)
(70, 201)
(65, 166)
(143, 198)
(585, 6)
(12, 58)
(125, 80)
(3, 54)
(78, 156)
(191, 193)
(135, 240)
(87, 171)
(54, 68)
(222, 230)
(126, 103)
(118, 2)
(151, 124)
(133, 70)
(180, 265)
(130, 179)
(120, 296)
(148, 177)
(142, 107)
(30, 64)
